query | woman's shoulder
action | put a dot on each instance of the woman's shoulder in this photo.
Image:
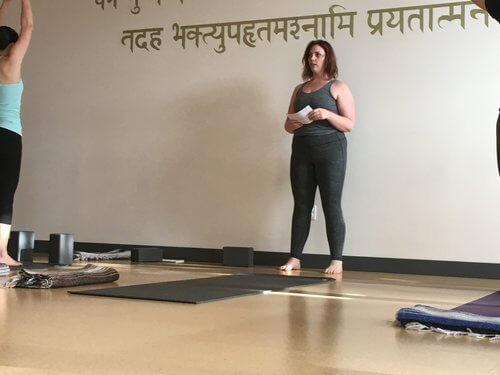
(298, 88)
(300, 85)
(337, 83)
(5, 63)
(339, 86)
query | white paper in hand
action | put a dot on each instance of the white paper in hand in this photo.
(301, 116)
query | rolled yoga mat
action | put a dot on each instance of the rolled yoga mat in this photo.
(480, 318)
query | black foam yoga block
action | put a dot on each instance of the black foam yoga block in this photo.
(61, 248)
(21, 245)
(237, 256)
(26, 256)
(147, 254)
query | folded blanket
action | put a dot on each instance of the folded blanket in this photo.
(450, 322)
(4, 269)
(110, 255)
(90, 274)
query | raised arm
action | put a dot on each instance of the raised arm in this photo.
(3, 11)
(20, 47)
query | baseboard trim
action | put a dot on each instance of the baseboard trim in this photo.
(351, 263)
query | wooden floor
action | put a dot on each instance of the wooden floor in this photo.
(345, 327)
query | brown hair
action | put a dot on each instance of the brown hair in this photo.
(330, 67)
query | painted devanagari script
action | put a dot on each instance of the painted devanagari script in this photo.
(338, 20)
(135, 6)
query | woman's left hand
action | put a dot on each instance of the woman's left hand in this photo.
(318, 114)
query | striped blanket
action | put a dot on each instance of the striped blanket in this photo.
(90, 274)
(110, 255)
(4, 269)
(450, 322)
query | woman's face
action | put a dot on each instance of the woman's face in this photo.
(317, 59)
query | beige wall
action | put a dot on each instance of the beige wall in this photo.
(185, 147)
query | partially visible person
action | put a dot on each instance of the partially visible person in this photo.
(493, 8)
(319, 151)
(13, 48)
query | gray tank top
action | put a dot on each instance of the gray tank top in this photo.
(321, 98)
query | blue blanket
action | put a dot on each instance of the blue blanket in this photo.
(423, 317)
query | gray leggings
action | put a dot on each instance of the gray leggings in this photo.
(318, 161)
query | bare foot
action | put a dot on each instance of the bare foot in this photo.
(292, 264)
(335, 268)
(6, 259)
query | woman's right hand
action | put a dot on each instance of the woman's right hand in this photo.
(292, 125)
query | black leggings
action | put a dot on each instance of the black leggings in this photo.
(498, 143)
(10, 166)
(318, 161)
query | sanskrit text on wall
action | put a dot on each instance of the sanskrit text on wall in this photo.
(249, 33)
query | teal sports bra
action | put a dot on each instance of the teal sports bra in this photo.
(10, 106)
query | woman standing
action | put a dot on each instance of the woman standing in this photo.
(13, 47)
(319, 151)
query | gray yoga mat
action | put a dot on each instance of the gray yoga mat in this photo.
(206, 289)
